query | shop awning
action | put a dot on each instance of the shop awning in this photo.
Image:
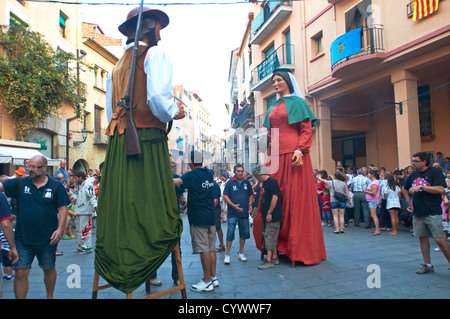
(16, 155)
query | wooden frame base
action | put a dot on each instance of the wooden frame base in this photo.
(181, 287)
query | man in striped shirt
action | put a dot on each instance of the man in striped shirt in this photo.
(358, 185)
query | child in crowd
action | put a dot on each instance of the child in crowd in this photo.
(270, 207)
(445, 208)
(391, 192)
(326, 208)
(7, 265)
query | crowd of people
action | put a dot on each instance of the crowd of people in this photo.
(373, 197)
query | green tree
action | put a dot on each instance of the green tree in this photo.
(35, 79)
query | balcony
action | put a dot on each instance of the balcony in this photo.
(234, 89)
(282, 57)
(243, 116)
(100, 139)
(364, 49)
(270, 17)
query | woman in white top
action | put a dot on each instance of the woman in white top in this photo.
(391, 192)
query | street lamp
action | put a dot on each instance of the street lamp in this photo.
(84, 134)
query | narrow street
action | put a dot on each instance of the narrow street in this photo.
(357, 264)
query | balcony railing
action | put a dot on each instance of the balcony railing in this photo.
(371, 40)
(100, 138)
(283, 57)
(273, 13)
(241, 115)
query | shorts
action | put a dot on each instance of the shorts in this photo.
(218, 218)
(271, 235)
(244, 228)
(46, 255)
(372, 204)
(5, 258)
(338, 205)
(203, 239)
(424, 225)
(327, 215)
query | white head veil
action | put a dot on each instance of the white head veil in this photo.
(294, 84)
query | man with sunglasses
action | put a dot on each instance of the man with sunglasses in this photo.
(42, 210)
(426, 186)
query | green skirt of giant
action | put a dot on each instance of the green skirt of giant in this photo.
(138, 222)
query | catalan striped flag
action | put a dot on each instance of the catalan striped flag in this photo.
(423, 8)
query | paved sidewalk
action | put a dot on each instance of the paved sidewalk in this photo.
(358, 266)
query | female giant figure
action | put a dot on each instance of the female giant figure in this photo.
(301, 236)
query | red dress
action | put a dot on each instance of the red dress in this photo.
(301, 236)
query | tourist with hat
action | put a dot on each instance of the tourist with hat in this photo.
(20, 172)
(138, 221)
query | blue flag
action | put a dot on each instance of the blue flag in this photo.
(346, 45)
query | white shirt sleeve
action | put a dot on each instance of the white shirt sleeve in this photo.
(160, 98)
(109, 111)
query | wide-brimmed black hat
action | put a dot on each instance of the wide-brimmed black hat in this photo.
(146, 12)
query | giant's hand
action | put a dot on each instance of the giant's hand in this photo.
(181, 114)
(297, 159)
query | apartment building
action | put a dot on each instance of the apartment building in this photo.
(376, 77)
(191, 133)
(60, 24)
(78, 140)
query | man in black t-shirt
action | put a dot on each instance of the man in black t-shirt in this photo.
(199, 183)
(41, 215)
(426, 186)
(271, 214)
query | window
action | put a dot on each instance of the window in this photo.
(425, 114)
(98, 111)
(288, 46)
(62, 25)
(270, 101)
(243, 68)
(357, 16)
(269, 50)
(316, 44)
(16, 21)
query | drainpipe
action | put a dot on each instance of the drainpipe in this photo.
(67, 138)
(80, 54)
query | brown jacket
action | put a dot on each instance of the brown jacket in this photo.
(143, 116)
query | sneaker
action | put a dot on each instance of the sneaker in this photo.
(203, 286)
(266, 265)
(276, 261)
(155, 282)
(424, 269)
(65, 237)
(226, 260)
(242, 257)
(215, 281)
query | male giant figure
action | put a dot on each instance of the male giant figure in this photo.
(138, 222)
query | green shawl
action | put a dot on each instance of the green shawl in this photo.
(297, 109)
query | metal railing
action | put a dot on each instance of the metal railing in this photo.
(269, 8)
(282, 56)
(372, 42)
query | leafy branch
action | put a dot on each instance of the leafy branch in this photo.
(35, 79)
